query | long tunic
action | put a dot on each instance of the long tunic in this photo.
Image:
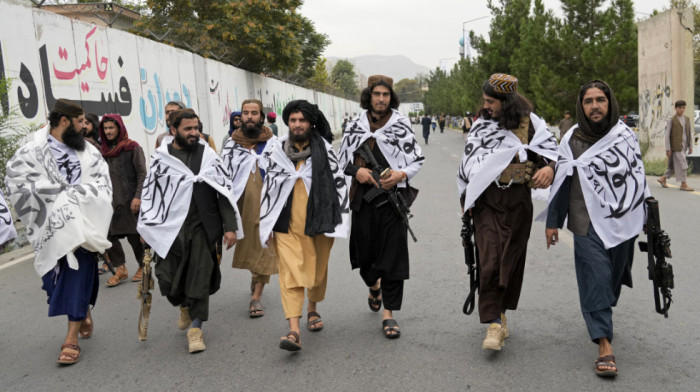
(127, 171)
(190, 272)
(302, 257)
(249, 253)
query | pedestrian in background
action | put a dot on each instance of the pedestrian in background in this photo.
(678, 141)
(127, 169)
(271, 118)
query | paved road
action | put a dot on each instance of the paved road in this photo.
(440, 348)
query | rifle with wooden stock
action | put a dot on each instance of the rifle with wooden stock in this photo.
(144, 293)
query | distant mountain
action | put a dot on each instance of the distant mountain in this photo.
(397, 67)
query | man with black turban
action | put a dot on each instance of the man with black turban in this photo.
(378, 242)
(305, 203)
(600, 186)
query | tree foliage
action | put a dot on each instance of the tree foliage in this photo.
(267, 36)
(550, 56)
(409, 90)
(343, 77)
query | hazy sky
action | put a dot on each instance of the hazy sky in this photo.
(427, 32)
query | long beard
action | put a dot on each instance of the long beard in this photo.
(252, 131)
(74, 139)
(185, 144)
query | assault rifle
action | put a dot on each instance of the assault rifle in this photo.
(144, 294)
(471, 258)
(658, 248)
(397, 201)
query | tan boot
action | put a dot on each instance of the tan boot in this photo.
(506, 333)
(195, 338)
(184, 321)
(494, 338)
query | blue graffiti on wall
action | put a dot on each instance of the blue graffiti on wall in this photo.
(152, 112)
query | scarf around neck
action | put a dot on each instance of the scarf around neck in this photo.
(246, 142)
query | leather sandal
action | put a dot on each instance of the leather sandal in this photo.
(391, 328)
(290, 342)
(86, 327)
(609, 361)
(66, 358)
(312, 325)
(138, 275)
(255, 309)
(121, 275)
(375, 303)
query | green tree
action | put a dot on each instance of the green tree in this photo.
(409, 90)
(343, 78)
(256, 35)
(320, 79)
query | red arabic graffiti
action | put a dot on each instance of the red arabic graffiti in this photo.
(101, 63)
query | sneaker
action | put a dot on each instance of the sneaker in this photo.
(195, 338)
(494, 338)
(184, 321)
(504, 326)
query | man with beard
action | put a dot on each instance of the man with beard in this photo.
(233, 124)
(243, 157)
(127, 169)
(304, 202)
(678, 140)
(183, 223)
(508, 152)
(600, 186)
(61, 189)
(170, 107)
(378, 241)
(90, 127)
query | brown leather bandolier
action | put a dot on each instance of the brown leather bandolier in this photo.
(518, 173)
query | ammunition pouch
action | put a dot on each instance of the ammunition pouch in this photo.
(517, 173)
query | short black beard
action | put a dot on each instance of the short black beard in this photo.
(184, 144)
(303, 138)
(599, 127)
(74, 139)
(112, 143)
(251, 132)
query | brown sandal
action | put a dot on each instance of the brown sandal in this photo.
(290, 342)
(65, 358)
(121, 275)
(312, 324)
(86, 327)
(255, 309)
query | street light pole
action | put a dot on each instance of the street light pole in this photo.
(464, 34)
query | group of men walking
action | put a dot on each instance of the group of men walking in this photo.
(283, 200)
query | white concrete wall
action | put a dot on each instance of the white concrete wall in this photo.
(48, 56)
(665, 53)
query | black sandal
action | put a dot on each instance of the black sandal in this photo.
(608, 361)
(391, 329)
(289, 344)
(375, 304)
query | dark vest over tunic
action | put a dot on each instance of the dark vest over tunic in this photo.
(677, 133)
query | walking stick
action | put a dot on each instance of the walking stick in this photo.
(144, 294)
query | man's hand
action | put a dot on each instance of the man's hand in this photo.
(668, 153)
(543, 177)
(135, 205)
(392, 179)
(552, 236)
(230, 239)
(269, 238)
(364, 176)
